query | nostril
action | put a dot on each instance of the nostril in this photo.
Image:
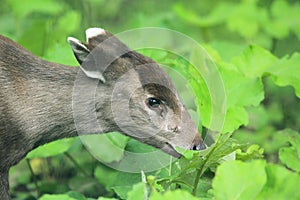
(198, 147)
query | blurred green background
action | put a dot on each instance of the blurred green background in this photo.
(224, 28)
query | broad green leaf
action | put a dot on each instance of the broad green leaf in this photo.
(173, 195)
(106, 176)
(118, 181)
(122, 191)
(241, 91)
(281, 184)
(208, 85)
(238, 180)
(286, 72)
(290, 156)
(226, 49)
(235, 117)
(106, 147)
(137, 192)
(157, 55)
(77, 195)
(68, 196)
(51, 149)
(124, 183)
(138, 147)
(56, 197)
(254, 61)
(105, 198)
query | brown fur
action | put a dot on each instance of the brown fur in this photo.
(36, 101)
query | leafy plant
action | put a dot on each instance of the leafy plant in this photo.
(251, 119)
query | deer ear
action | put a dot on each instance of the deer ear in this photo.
(80, 51)
(87, 63)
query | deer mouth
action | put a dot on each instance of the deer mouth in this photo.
(169, 148)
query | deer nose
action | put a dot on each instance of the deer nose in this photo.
(200, 146)
(198, 143)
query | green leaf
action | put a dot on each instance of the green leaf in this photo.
(124, 183)
(253, 152)
(106, 176)
(105, 198)
(118, 181)
(235, 117)
(56, 197)
(157, 55)
(290, 156)
(286, 72)
(106, 147)
(173, 195)
(137, 192)
(206, 81)
(51, 149)
(225, 49)
(122, 191)
(138, 147)
(188, 154)
(237, 99)
(254, 61)
(202, 160)
(77, 195)
(238, 180)
(68, 196)
(281, 184)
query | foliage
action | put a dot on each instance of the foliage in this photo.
(254, 46)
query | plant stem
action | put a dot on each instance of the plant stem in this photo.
(76, 164)
(199, 173)
(201, 170)
(33, 177)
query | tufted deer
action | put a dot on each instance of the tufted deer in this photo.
(133, 96)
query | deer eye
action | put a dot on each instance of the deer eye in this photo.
(153, 102)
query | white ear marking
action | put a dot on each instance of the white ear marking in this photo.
(93, 32)
(72, 40)
(93, 74)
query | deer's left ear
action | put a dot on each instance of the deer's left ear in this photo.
(80, 50)
(87, 63)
